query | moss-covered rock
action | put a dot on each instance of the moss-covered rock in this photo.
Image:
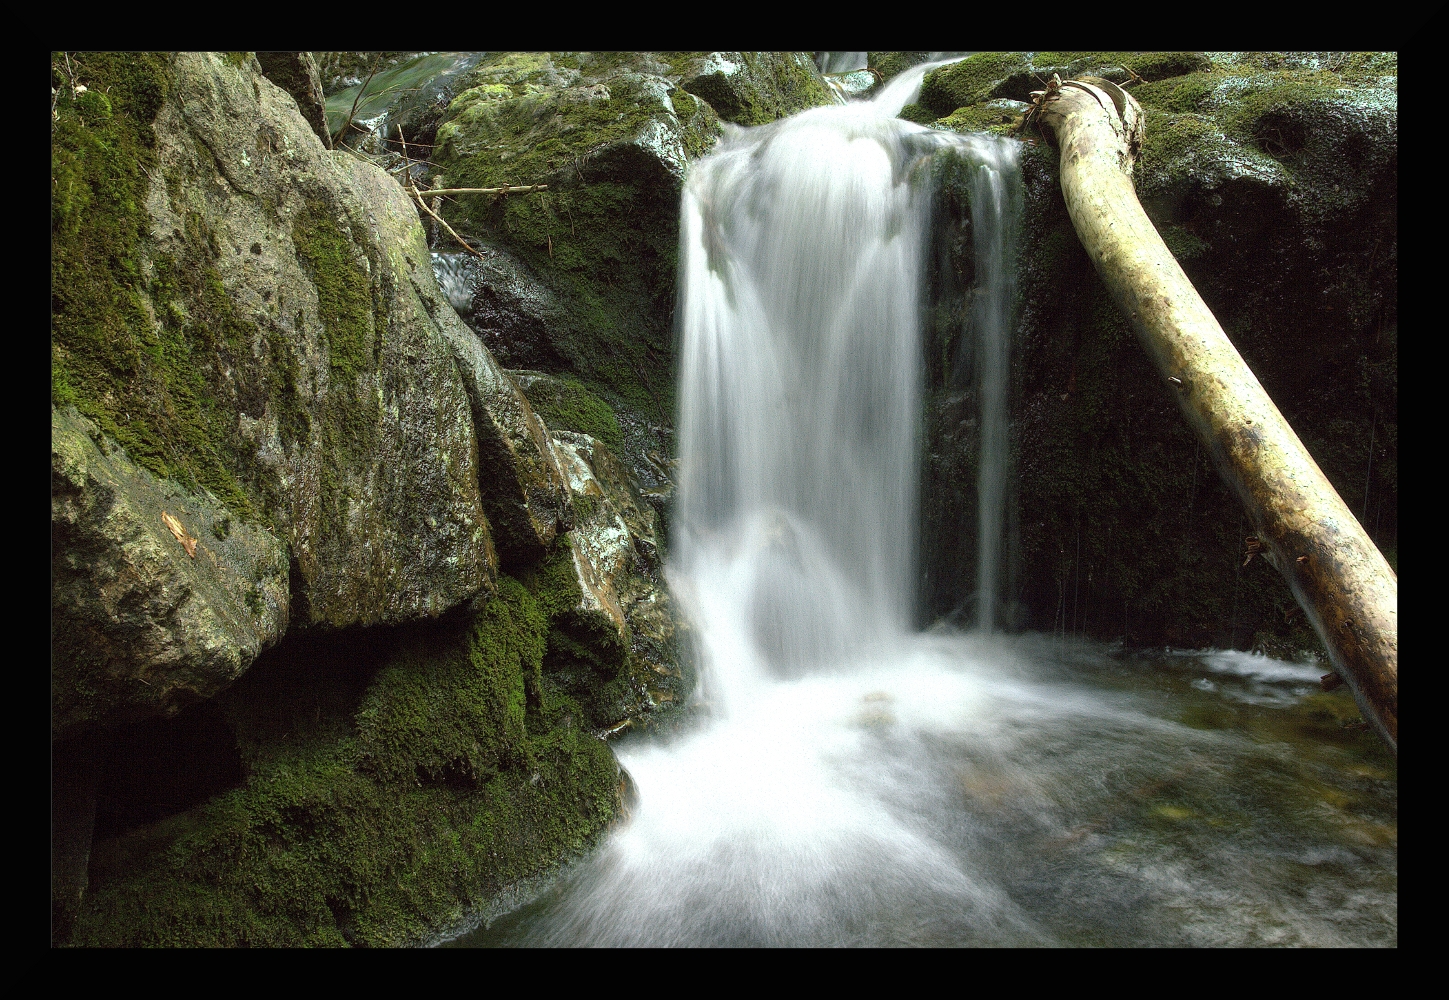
(524, 491)
(756, 88)
(390, 788)
(892, 64)
(1274, 181)
(568, 405)
(995, 117)
(238, 309)
(1013, 76)
(147, 618)
(611, 135)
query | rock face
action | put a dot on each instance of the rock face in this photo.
(1273, 179)
(524, 490)
(239, 309)
(612, 643)
(580, 279)
(297, 74)
(266, 415)
(147, 618)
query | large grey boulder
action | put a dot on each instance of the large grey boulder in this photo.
(371, 476)
(159, 597)
(261, 335)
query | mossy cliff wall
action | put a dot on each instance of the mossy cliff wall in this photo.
(267, 421)
(580, 280)
(1273, 179)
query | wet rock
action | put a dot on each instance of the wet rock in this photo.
(613, 644)
(411, 93)
(856, 85)
(148, 614)
(523, 489)
(297, 74)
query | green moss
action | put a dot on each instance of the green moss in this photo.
(604, 237)
(344, 289)
(391, 785)
(345, 306)
(565, 404)
(974, 79)
(478, 728)
(993, 117)
(585, 658)
(767, 87)
(142, 354)
(918, 114)
(891, 64)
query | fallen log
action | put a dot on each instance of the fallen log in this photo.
(1303, 528)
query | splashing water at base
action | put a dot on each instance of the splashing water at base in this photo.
(854, 783)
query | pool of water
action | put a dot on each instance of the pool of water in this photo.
(965, 790)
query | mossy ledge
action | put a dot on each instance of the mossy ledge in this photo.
(394, 780)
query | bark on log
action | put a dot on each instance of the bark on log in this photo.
(1308, 534)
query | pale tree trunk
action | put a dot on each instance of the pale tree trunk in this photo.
(1308, 534)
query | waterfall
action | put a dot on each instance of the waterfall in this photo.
(995, 193)
(801, 253)
(849, 781)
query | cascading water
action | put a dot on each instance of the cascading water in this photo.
(853, 782)
(995, 194)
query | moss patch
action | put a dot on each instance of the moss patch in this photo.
(391, 784)
(140, 347)
(565, 404)
(603, 238)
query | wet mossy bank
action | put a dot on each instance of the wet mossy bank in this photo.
(388, 784)
(1273, 179)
